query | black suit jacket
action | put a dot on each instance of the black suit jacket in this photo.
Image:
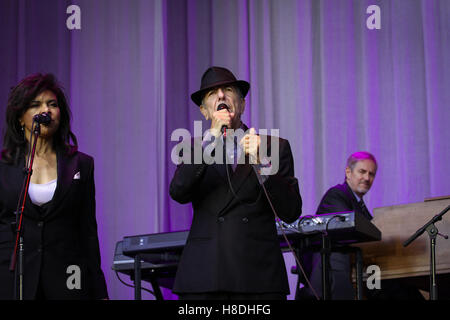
(64, 234)
(233, 246)
(341, 198)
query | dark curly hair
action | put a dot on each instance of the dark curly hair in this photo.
(20, 97)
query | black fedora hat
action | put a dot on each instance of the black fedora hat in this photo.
(215, 77)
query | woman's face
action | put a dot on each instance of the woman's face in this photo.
(44, 102)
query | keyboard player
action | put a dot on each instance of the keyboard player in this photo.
(359, 176)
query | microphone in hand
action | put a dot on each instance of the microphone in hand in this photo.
(221, 107)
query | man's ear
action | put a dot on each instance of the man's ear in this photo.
(347, 173)
(243, 106)
(204, 112)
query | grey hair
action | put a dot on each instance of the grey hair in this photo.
(359, 156)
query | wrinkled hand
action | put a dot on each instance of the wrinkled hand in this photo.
(250, 144)
(219, 119)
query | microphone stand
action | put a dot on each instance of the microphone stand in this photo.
(17, 255)
(432, 231)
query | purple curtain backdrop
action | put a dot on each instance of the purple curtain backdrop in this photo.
(331, 86)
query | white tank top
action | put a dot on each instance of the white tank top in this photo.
(42, 193)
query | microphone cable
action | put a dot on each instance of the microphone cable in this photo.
(341, 218)
(132, 286)
(291, 249)
(232, 189)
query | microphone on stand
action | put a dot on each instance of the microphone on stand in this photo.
(42, 118)
(17, 257)
(224, 127)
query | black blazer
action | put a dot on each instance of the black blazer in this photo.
(341, 198)
(233, 246)
(64, 234)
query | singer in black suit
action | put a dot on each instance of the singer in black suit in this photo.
(359, 176)
(61, 247)
(232, 251)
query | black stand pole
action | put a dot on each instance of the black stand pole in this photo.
(137, 277)
(359, 267)
(156, 289)
(18, 226)
(432, 233)
(325, 255)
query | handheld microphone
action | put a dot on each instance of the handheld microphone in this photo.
(42, 118)
(224, 127)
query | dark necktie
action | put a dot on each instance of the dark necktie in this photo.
(364, 209)
(230, 160)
